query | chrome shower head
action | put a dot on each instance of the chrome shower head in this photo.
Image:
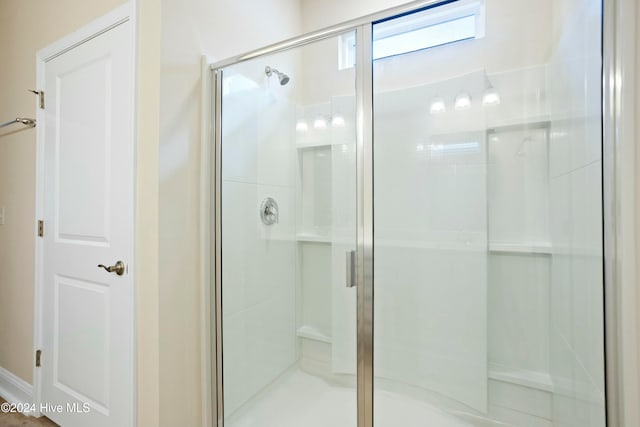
(284, 79)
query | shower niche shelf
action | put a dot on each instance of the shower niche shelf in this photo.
(308, 145)
(520, 248)
(525, 123)
(516, 124)
(312, 238)
(531, 379)
(315, 334)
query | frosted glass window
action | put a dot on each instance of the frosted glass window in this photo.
(461, 20)
(426, 37)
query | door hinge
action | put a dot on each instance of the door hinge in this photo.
(38, 357)
(40, 228)
(40, 94)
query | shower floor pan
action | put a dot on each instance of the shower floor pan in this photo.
(299, 399)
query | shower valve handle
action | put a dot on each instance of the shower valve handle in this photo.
(269, 211)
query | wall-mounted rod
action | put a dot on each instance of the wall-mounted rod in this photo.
(27, 122)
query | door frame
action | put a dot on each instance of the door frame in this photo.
(621, 228)
(207, 243)
(620, 195)
(120, 15)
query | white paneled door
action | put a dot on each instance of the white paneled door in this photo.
(87, 311)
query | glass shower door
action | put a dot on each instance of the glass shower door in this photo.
(488, 306)
(475, 184)
(287, 230)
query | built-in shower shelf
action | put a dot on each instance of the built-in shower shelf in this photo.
(312, 333)
(532, 379)
(322, 144)
(312, 238)
(524, 123)
(522, 248)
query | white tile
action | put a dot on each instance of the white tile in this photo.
(561, 301)
(269, 250)
(560, 213)
(315, 207)
(518, 186)
(574, 85)
(569, 411)
(518, 311)
(575, 142)
(588, 318)
(258, 290)
(235, 368)
(272, 339)
(591, 413)
(471, 196)
(560, 138)
(586, 210)
(564, 411)
(258, 137)
(315, 264)
(441, 343)
(316, 350)
(563, 364)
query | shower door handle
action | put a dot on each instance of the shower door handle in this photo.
(351, 268)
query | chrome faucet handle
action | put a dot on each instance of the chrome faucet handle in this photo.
(269, 211)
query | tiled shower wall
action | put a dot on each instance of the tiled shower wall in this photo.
(259, 297)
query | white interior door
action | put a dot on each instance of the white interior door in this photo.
(87, 312)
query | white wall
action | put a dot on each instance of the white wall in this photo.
(189, 29)
(147, 272)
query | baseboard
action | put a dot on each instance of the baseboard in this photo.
(15, 390)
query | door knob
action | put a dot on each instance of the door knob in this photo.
(118, 268)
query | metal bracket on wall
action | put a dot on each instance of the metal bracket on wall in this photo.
(40, 94)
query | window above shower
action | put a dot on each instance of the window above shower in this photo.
(458, 21)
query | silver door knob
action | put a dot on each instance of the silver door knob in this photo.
(118, 268)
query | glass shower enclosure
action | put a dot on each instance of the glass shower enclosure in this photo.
(408, 221)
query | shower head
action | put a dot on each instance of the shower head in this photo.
(284, 79)
(522, 147)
